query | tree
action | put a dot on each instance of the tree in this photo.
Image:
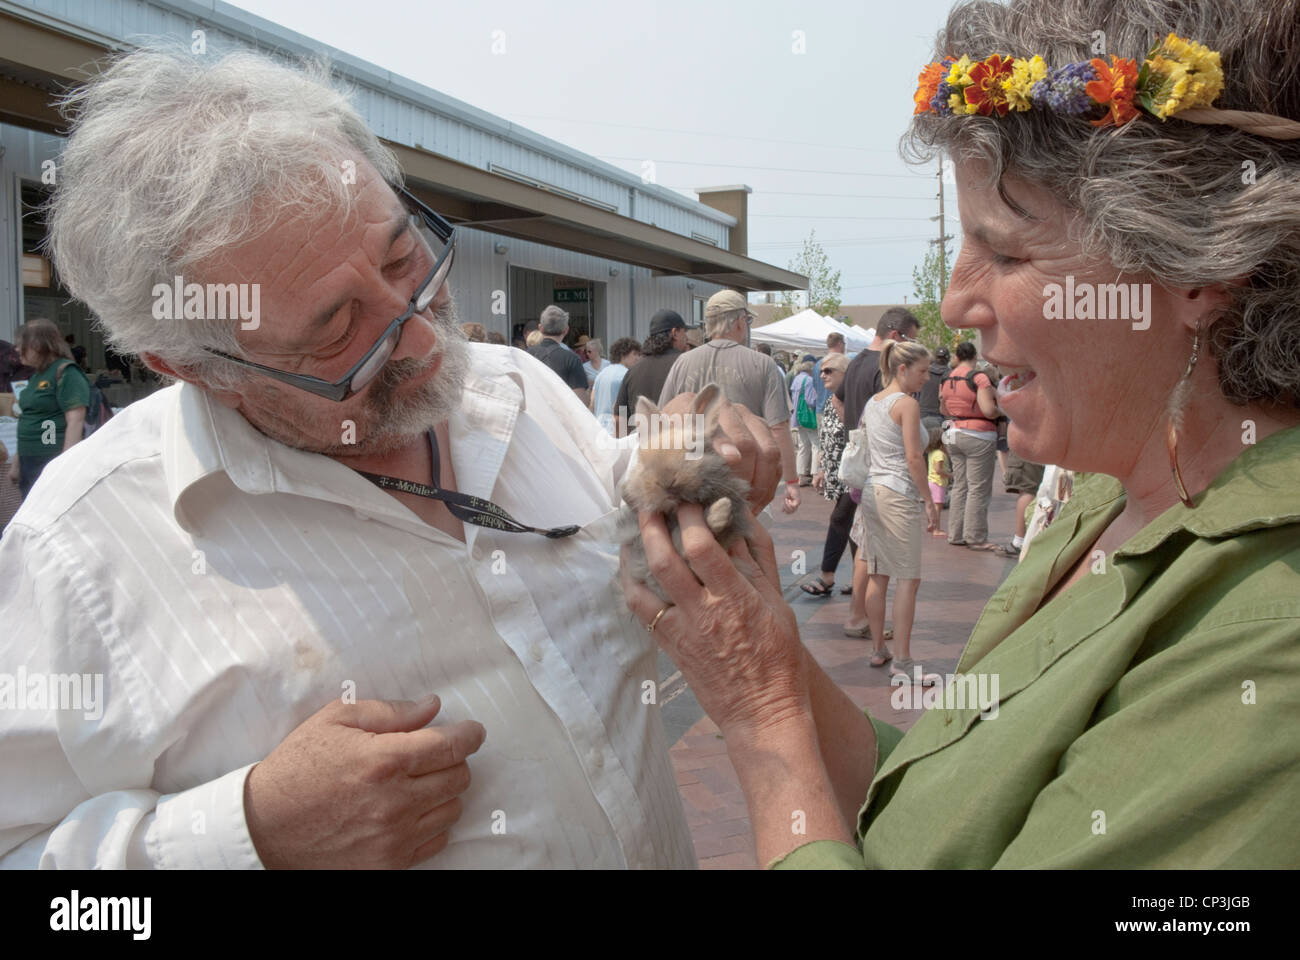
(823, 283)
(928, 283)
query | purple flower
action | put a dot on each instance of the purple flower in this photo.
(1063, 90)
(939, 102)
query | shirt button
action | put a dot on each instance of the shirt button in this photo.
(947, 719)
(597, 759)
(535, 651)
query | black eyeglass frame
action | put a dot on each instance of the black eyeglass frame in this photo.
(341, 389)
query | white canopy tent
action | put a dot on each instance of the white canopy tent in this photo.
(806, 332)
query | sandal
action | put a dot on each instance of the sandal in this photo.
(818, 588)
(1008, 550)
(880, 657)
(984, 546)
(907, 670)
(957, 543)
(864, 632)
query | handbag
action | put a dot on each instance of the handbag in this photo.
(805, 415)
(855, 463)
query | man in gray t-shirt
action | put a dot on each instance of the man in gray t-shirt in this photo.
(746, 376)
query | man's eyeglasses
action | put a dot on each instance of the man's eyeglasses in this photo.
(438, 237)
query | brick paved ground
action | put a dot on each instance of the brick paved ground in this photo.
(955, 585)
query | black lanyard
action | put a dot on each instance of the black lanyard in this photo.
(464, 506)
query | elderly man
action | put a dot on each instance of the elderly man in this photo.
(747, 377)
(254, 580)
(552, 351)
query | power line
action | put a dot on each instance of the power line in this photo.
(746, 166)
(837, 196)
(698, 133)
(846, 242)
(828, 216)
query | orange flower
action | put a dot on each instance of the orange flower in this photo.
(985, 92)
(1114, 88)
(927, 83)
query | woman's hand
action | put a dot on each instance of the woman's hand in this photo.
(819, 481)
(14, 474)
(745, 442)
(728, 629)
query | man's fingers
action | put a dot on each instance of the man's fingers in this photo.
(437, 748)
(429, 849)
(391, 716)
(440, 818)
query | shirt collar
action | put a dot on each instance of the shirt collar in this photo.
(202, 438)
(1257, 489)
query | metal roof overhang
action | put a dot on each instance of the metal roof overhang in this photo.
(477, 198)
(37, 61)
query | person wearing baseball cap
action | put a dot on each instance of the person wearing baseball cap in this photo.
(746, 377)
(667, 342)
(928, 398)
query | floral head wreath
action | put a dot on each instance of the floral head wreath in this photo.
(1177, 78)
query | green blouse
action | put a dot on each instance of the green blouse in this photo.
(1148, 716)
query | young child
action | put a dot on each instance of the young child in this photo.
(940, 474)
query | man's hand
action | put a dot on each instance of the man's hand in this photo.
(791, 502)
(362, 785)
(819, 481)
(746, 443)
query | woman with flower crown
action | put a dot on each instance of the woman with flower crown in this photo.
(1144, 657)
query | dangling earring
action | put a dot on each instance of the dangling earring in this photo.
(1177, 404)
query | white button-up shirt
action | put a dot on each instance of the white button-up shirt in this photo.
(222, 587)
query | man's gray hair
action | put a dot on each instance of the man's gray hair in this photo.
(1170, 199)
(554, 321)
(721, 323)
(173, 158)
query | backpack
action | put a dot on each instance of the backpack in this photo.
(97, 411)
(974, 412)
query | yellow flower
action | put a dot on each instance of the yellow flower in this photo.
(959, 75)
(1183, 75)
(1198, 58)
(1024, 74)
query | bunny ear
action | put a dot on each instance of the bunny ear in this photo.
(708, 403)
(645, 407)
(708, 395)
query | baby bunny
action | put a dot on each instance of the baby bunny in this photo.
(677, 464)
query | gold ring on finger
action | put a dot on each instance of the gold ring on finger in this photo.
(655, 622)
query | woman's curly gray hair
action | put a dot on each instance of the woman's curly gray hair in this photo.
(1167, 199)
(173, 157)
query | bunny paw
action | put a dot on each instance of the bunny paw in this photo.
(718, 516)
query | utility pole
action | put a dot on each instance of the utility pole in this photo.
(942, 241)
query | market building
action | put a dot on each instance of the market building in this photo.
(538, 222)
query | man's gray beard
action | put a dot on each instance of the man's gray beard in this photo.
(387, 422)
(391, 422)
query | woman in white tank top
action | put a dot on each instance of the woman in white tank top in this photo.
(896, 509)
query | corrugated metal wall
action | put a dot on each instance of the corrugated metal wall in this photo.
(480, 274)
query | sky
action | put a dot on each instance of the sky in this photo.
(803, 102)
